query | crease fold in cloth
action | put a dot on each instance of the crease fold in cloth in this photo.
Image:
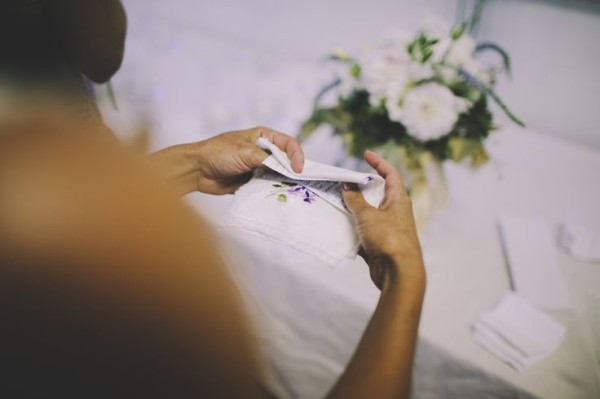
(303, 210)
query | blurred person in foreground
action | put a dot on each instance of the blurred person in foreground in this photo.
(60, 46)
(111, 287)
(51, 49)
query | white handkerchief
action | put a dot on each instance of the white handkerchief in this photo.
(303, 210)
(325, 180)
(580, 236)
(517, 332)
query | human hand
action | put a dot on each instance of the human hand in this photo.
(221, 164)
(388, 235)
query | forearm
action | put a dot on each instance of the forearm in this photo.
(92, 33)
(180, 165)
(382, 364)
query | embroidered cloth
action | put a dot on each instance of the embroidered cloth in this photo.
(303, 210)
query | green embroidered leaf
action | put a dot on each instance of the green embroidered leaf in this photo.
(289, 184)
(277, 185)
(282, 198)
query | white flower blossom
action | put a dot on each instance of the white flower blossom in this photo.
(420, 71)
(428, 111)
(461, 51)
(385, 71)
(454, 54)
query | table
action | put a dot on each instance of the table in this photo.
(308, 317)
(311, 316)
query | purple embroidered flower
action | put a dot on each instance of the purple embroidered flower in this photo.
(309, 197)
(285, 190)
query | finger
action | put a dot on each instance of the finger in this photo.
(353, 198)
(394, 186)
(288, 144)
(252, 156)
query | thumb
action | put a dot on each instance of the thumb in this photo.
(353, 198)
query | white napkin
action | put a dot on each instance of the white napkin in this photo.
(517, 332)
(303, 210)
(580, 236)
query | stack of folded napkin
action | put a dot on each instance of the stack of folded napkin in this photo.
(517, 332)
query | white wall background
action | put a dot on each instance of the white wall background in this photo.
(555, 45)
(555, 49)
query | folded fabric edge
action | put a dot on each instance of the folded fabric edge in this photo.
(525, 345)
(490, 341)
(249, 226)
(279, 162)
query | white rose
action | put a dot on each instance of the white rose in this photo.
(477, 69)
(428, 111)
(454, 53)
(420, 71)
(461, 51)
(384, 70)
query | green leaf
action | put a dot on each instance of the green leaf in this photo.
(479, 157)
(324, 90)
(476, 16)
(458, 31)
(282, 198)
(336, 117)
(340, 55)
(427, 53)
(499, 50)
(355, 70)
(488, 91)
(277, 185)
(459, 148)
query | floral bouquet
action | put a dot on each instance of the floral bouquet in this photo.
(417, 100)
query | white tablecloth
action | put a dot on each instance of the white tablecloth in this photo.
(309, 317)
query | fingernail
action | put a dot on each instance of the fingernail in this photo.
(297, 166)
(296, 163)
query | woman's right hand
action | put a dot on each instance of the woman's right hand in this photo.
(388, 235)
(383, 361)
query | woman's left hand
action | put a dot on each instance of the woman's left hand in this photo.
(221, 164)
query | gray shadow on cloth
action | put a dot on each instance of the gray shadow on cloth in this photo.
(439, 375)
